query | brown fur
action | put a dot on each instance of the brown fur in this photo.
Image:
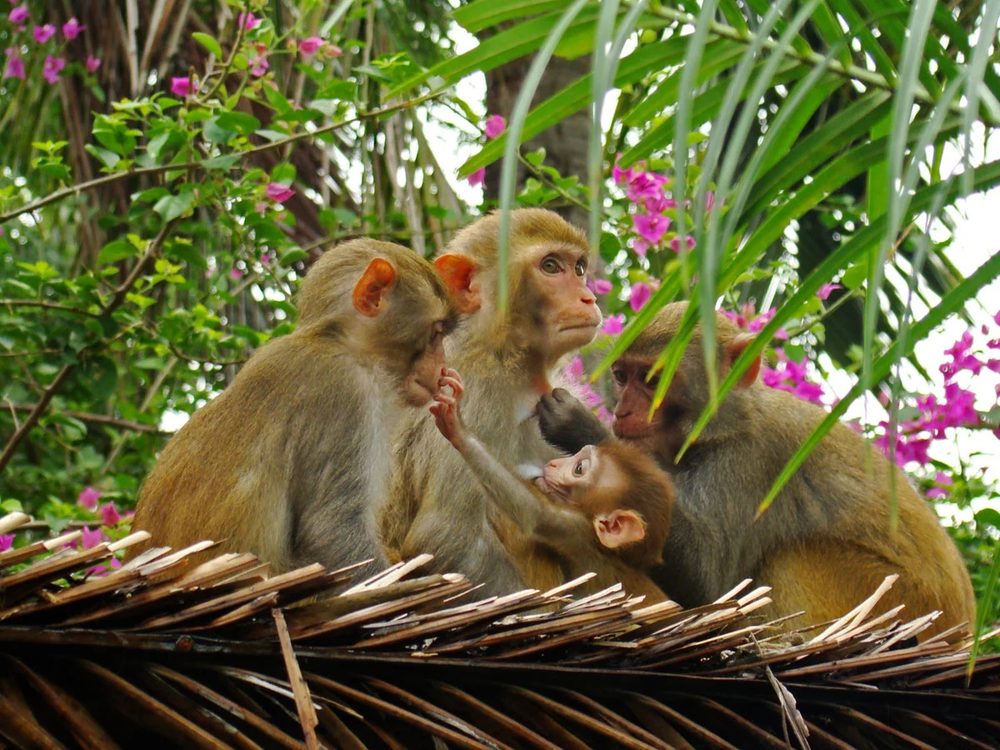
(291, 461)
(508, 360)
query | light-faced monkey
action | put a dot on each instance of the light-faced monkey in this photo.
(508, 360)
(605, 509)
(292, 460)
(824, 545)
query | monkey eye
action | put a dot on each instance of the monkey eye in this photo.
(619, 375)
(580, 468)
(581, 268)
(551, 264)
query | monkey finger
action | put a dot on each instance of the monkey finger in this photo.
(453, 384)
(559, 395)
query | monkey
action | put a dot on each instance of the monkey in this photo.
(605, 509)
(291, 461)
(826, 542)
(508, 358)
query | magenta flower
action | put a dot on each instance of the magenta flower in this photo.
(181, 86)
(88, 498)
(91, 538)
(639, 295)
(52, 67)
(279, 193)
(235, 274)
(574, 369)
(258, 65)
(620, 175)
(826, 290)
(495, 125)
(310, 45)
(675, 243)
(6, 542)
(941, 484)
(109, 514)
(651, 227)
(72, 28)
(266, 259)
(614, 324)
(248, 21)
(639, 246)
(42, 34)
(332, 50)
(709, 201)
(15, 64)
(599, 286)
(478, 177)
(18, 15)
(93, 63)
(645, 184)
(658, 203)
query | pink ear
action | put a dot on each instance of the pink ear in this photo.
(457, 272)
(619, 527)
(373, 285)
(734, 349)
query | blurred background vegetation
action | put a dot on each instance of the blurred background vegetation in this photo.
(171, 167)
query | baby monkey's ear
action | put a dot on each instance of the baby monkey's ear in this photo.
(619, 527)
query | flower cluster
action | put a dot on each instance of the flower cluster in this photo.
(956, 407)
(654, 210)
(575, 374)
(44, 38)
(494, 127)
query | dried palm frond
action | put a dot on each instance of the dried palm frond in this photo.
(164, 652)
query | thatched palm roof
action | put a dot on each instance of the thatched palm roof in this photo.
(162, 652)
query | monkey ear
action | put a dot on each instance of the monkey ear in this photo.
(734, 349)
(619, 527)
(372, 287)
(458, 271)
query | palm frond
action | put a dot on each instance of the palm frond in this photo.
(171, 653)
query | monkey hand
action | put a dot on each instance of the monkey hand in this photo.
(445, 408)
(568, 424)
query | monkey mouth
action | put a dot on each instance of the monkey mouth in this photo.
(633, 429)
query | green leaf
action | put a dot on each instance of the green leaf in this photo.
(240, 122)
(115, 251)
(172, 206)
(293, 256)
(208, 42)
(223, 162)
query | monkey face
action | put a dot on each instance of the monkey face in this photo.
(420, 383)
(575, 478)
(565, 311)
(634, 398)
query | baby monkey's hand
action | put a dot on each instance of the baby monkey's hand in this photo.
(445, 408)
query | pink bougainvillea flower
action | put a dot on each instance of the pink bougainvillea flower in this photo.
(941, 484)
(639, 295)
(109, 514)
(88, 498)
(645, 184)
(709, 201)
(332, 50)
(639, 246)
(826, 290)
(614, 324)
(72, 28)
(93, 63)
(599, 286)
(6, 542)
(658, 203)
(266, 259)
(235, 274)
(478, 177)
(495, 125)
(181, 86)
(52, 67)
(675, 243)
(248, 21)
(279, 193)
(651, 227)
(91, 538)
(258, 65)
(42, 34)
(310, 45)
(15, 64)
(18, 15)
(620, 175)
(574, 368)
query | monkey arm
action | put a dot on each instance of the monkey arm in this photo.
(567, 423)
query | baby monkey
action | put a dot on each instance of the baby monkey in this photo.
(605, 509)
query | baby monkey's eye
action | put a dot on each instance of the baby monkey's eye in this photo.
(578, 469)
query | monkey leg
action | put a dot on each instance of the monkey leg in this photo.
(826, 579)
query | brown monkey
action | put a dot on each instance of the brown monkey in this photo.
(508, 361)
(292, 460)
(824, 545)
(605, 509)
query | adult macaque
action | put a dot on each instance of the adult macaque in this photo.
(292, 460)
(508, 360)
(605, 509)
(826, 542)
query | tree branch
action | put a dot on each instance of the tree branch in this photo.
(105, 419)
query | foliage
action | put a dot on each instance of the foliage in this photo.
(164, 191)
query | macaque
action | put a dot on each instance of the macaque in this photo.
(508, 358)
(292, 461)
(605, 509)
(825, 543)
